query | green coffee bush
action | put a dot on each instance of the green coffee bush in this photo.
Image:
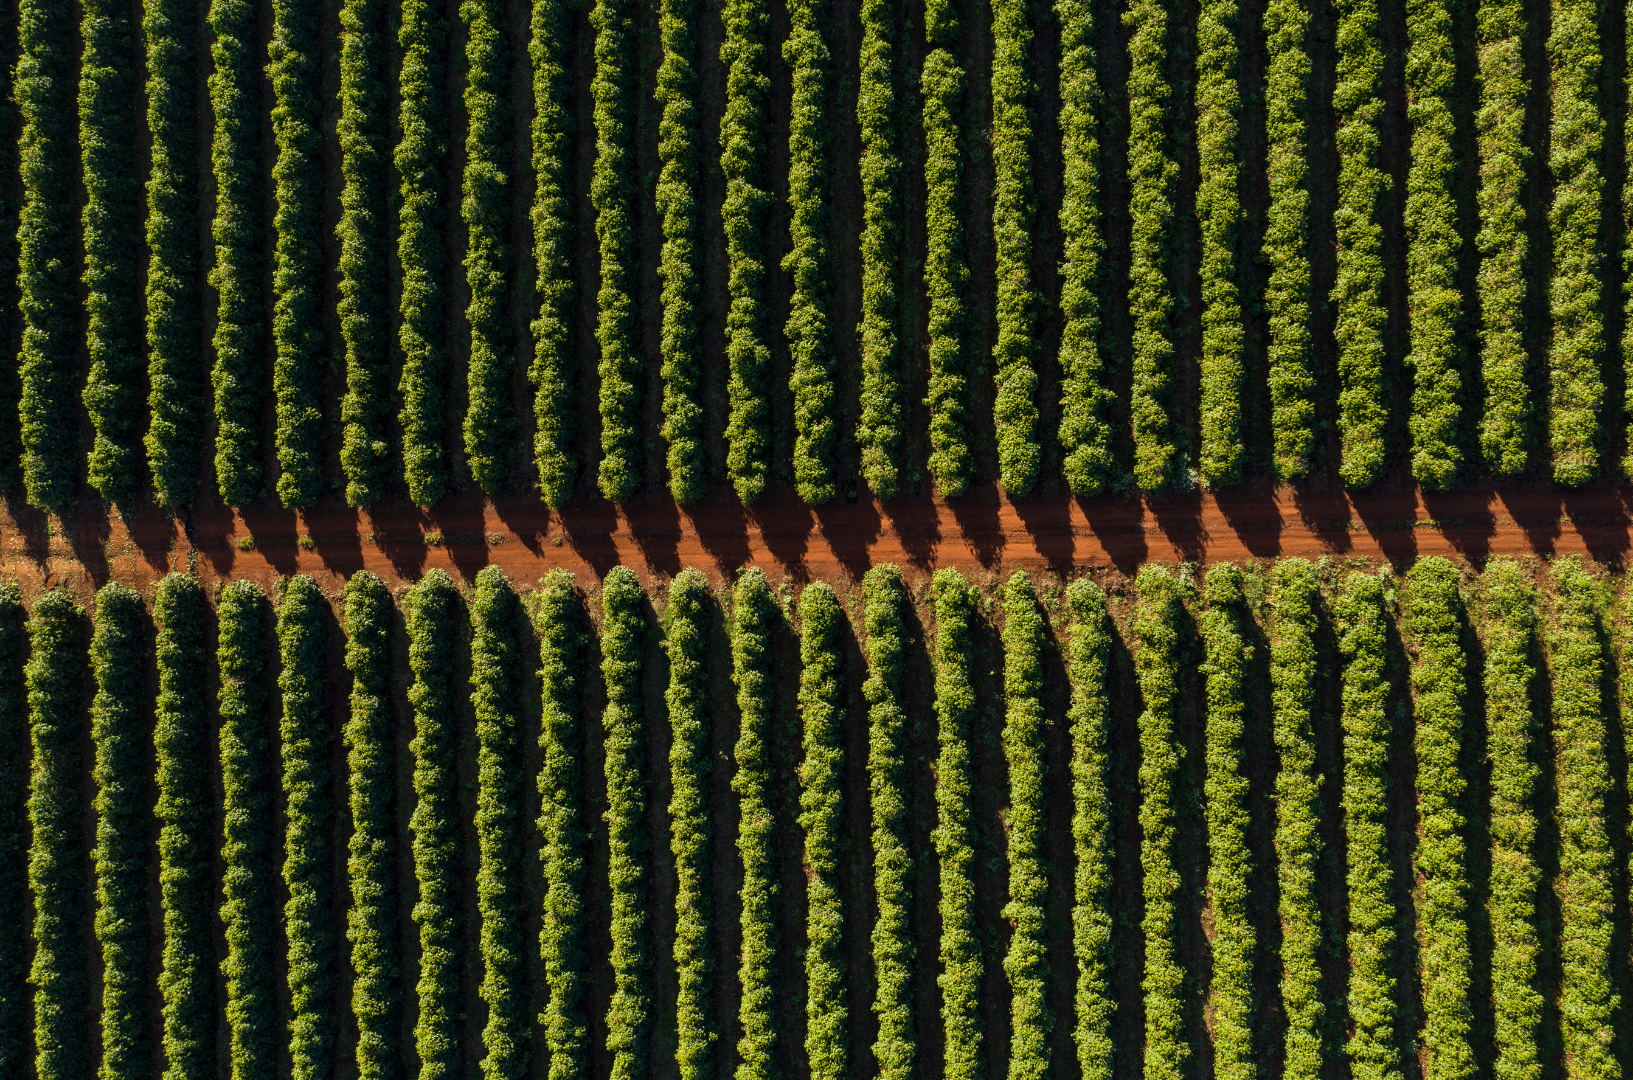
(821, 705)
(956, 708)
(893, 945)
(1027, 963)
(560, 618)
(555, 405)
(486, 212)
(1357, 291)
(175, 397)
(14, 831)
(1088, 650)
(419, 157)
(754, 615)
(433, 642)
(56, 858)
(1287, 236)
(118, 663)
(1295, 594)
(613, 197)
(181, 741)
(679, 152)
(297, 260)
(307, 869)
(942, 83)
(1433, 625)
(365, 322)
(1014, 353)
(624, 747)
(496, 662)
(111, 226)
(809, 328)
(1510, 638)
(237, 379)
(1219, 214)
(249, 845)
(686, 636)
(1362, 628)
(47, 255)
(1225, 795)
(879, 428)
(371, 922)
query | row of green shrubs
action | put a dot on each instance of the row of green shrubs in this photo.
(1027, 963)
(110, 236)
(612, 195)
(1225, 801)
(119, 857)
(754, 618)
(809, 329)
(822, 709)
(551, 373)
(1088, 657)
(956, 712)
(1014, 352)
(1218, 215)
(679, 207)
(1504, 422)
(485, 209)
(1286, 249)
(879, 427)
(942, 84)
(686, 638)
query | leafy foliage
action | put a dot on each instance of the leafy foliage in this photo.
(821, 707)
(181, 741)
(486, 211)
(1433, 622)
(1157, 665)
(248, 846)
(1357, 292)
(1588, 1000)
(1510, 638)
(1219, 213)
(56, 860)
(1014, 353)
(893, 945)
(1359, 609)
(14, 830)
(1435, 305)
(809, 328)
(1087, 658)
(1226, 811)
(371, 924)
(754, 615)
(560, 618)
(1152, 172)
(298, 261)
(742, 153)
(419, 157)
(175, 399)
(679, 151)
(1505, 435)
(612, 195)
(1084, 396)
(1295, 594)
(879, 430)
(120, 856)
(1576, 389)
(552, 370)
(47, 255)
(235, 153)
(960, 978)
(1287, 236)
(686, 632)
(307, 869)
(433, 636)
(1027, 963)
(942, 83)
(365, 326)
(107, 130)
(495, 670)
(624, 740)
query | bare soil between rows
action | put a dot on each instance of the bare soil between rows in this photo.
(985, 531)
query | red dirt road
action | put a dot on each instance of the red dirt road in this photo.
(983, 531)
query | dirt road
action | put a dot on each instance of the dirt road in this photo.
(981, 532)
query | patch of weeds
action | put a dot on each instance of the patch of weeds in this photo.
(245, 543)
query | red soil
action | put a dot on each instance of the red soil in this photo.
(983, 531)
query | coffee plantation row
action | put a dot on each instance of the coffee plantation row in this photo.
(1041, 194)
(945, 829)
